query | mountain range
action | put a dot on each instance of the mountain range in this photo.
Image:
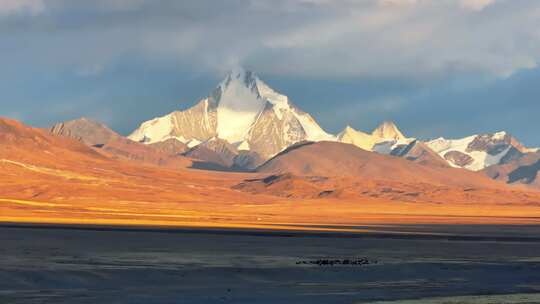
(255, 122)
(244, 124)
(246, 155)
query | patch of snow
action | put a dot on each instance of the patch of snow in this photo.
(152, 131)
(442, 145)
(483, 160)
(179, 138)
(313, 131)
(238, 107)
(192, 143)
(244, 145)
(499, 135)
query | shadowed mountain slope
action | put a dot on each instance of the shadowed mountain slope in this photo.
(420, 153)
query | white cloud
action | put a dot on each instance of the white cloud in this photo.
(17, 6)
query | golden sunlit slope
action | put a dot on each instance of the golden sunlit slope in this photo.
(53, 179)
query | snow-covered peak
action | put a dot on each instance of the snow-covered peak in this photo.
(358, 138)
(350, 131)
(239, 77)
(477, 152)
(388, 130)
(347, 129)
(244, 111)
(155, 130)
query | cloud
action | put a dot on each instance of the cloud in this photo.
(412, 39)
(476, 5)
(33, 7)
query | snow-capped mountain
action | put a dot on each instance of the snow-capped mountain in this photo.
(259, 122)
(358, 138)
(242, 110)
(385, 138)
(479, 151)
(388, 130)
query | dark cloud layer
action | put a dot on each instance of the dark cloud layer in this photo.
(441, 67)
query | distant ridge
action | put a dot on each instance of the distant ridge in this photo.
(105, 140)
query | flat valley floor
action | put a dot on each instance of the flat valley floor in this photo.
(405, 264)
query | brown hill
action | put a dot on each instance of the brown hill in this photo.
(171, 146)
(19, 142)
(88, 131)
(219, 154)
(213, 154)
(333, 159)
(340, 171)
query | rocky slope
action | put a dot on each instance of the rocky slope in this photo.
(420, 153)
(87, 131)
(171, 146)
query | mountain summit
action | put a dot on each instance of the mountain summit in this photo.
(357, 138)
(242, 110)
(388, 130)
(383, 139)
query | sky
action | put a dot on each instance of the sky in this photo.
(447, 68)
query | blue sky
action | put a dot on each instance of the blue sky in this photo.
(438, 68)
